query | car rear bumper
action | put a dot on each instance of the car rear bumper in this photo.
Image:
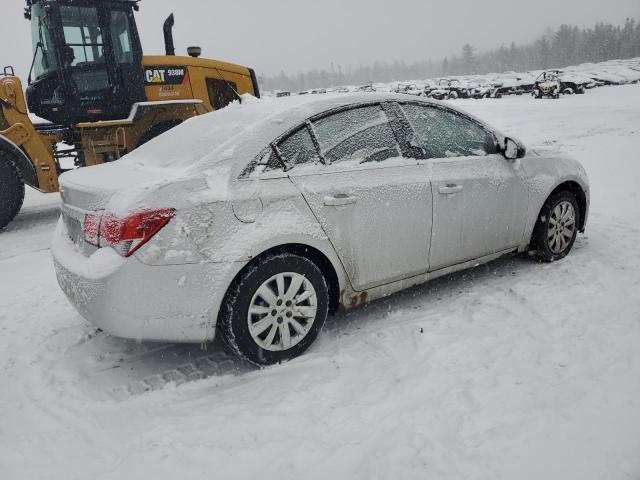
(129, 299)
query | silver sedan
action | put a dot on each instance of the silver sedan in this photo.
(256, 221)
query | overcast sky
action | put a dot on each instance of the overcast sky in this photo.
(294, 35)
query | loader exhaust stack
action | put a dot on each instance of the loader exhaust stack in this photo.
(168, 36)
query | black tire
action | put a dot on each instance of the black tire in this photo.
(540, 242)
(11, 190)
(157, 130)
(233, 320)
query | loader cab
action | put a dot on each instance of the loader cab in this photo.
(87, 60)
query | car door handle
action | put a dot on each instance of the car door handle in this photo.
(449, 188)
(339, 199)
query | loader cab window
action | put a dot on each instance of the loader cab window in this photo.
(82, 35)
(121, 37)
(84, 49)
(44, 61)
(221, 92)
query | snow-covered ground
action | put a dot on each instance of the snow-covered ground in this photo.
(514, 370)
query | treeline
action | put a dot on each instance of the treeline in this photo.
(568, 45)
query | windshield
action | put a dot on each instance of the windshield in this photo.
(82, 35)
(44, 61)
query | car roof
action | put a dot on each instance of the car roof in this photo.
(244, 128)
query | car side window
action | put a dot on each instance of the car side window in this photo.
(298, 148)
(361, 134)
(448, 134)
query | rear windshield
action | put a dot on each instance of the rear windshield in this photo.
(201, 138)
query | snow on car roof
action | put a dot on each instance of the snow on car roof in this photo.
(240, 130)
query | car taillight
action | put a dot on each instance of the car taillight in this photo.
(92, 228)
(128, 234)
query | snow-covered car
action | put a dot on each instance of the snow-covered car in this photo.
(605, 78)
(365, 88)
(449, 89)
(512, 83)
(409, 89)
(257, 220)
(571, 83)
(484, 90)
(547, 86)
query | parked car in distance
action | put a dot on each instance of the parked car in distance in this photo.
(409, 89)
(365, 88)
(282, 211)
(449, 89)
(484, 90)
(512, 83)
(571, 83)
(281, 93)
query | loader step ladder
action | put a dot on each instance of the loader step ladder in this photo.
(117, 144)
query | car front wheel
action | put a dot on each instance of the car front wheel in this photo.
(557, 227)
(275, 309)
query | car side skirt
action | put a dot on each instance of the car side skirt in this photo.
(356, 299)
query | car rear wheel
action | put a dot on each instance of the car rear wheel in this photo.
(557, 227)
(275, 309)
(11, 191)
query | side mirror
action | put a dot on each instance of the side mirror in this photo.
(513, 149)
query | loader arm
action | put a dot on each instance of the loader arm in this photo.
(17, 132)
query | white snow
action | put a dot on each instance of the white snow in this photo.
(103, 262)
(514, 370)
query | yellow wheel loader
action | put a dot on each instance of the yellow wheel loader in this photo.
(99, 96)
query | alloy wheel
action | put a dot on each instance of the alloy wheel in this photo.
(282, 311)
(562, 226)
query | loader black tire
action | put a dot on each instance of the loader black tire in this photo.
(11, 190)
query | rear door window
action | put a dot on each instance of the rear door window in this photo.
(360, 134)
(298, 148)
(449, 134)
